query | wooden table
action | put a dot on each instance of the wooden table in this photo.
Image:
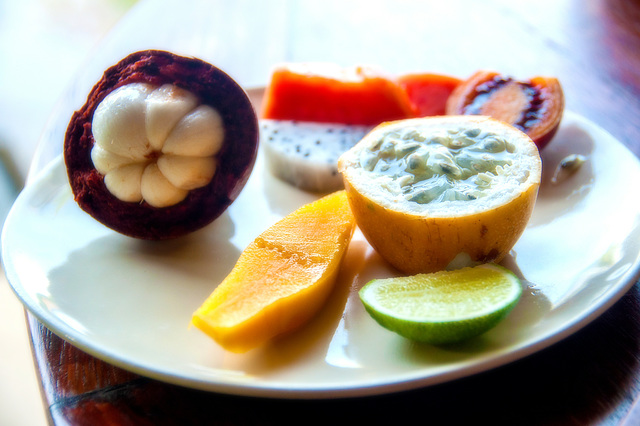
(592, 46)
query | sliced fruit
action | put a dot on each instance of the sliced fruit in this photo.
(434, 192)
(162, 131)
(162, 146)
(305, 154)
(328, 93)
(443, 307)
(282, 279)
(428, 92)
(535, 106)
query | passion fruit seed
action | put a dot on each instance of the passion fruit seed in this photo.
(463, 164)
(155, 144)
(568, 166)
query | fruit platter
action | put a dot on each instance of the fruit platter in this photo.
(260, 260)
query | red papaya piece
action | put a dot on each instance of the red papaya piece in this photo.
(328, 93)
(535, 106)
(428, 92)
(162, 146)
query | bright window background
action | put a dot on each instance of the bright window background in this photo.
(42, 45)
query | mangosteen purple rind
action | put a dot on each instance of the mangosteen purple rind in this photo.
(202, 205)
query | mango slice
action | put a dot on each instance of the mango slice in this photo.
(282, 279)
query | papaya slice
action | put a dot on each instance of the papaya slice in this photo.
(324, 92)
(282, 279)
(535, 106)
(428, 92)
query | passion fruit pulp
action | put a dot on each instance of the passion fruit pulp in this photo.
(534, 106)
(442, 192)
(234, 158)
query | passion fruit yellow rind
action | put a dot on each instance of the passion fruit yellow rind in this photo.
(162, 146)
(442, 192)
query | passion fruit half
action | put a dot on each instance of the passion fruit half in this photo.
(162, 146)
(535, 106)
(442, 192)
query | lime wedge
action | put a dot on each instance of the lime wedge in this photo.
(443, 307)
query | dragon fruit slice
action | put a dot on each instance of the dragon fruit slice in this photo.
(305, 154)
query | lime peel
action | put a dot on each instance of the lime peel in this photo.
(443, 307)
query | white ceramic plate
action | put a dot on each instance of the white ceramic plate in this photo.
(130, 302)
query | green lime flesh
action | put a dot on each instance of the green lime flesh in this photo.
(443, 307)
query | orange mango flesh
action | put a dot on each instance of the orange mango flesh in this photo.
(282, 279)
(334, 95)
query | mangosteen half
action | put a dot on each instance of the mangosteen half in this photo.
(162, 146)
